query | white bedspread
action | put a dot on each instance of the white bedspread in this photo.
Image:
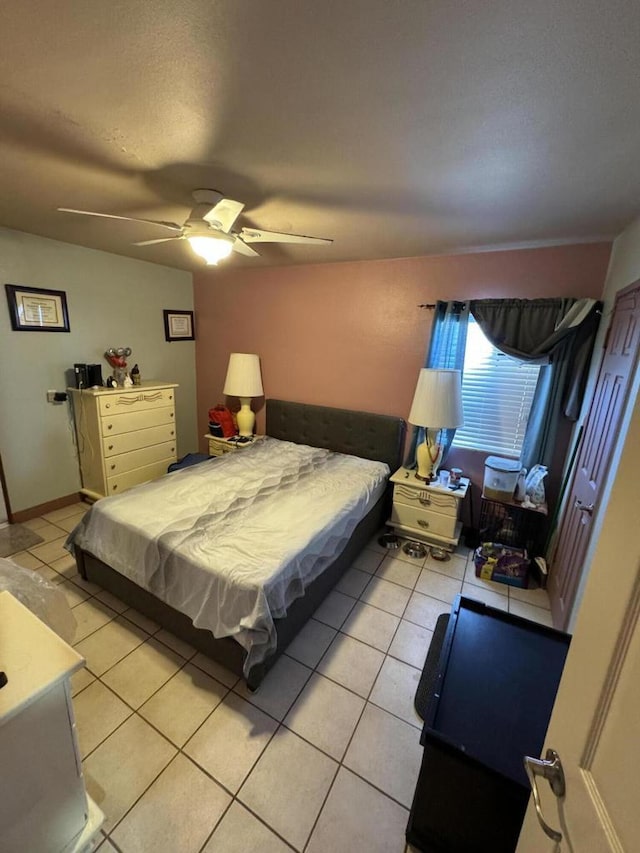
(233, 541)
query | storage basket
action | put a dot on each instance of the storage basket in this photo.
(496, 562)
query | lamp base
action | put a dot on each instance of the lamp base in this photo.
(429, 456)
(245, 418)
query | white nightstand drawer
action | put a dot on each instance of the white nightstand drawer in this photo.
(135, 401)
(423, 519)
(219, 446)
(122, 482)
(117, 424)
(440, 502)
(138, 458)
(116, 444)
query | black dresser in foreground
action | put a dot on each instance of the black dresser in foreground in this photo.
(492, 699)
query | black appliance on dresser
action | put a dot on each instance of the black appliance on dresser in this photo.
(88, 375)
(490, 705)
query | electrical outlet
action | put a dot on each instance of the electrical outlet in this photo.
(56, 396)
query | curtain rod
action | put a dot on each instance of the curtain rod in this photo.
(432, 305)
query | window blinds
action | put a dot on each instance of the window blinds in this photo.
(497, 392)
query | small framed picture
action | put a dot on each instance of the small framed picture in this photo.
(33, 309)
(178, 325)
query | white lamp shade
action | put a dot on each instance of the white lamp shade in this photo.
(437, 402)
(243, 376)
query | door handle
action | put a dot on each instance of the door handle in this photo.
(550, 769)
(588, 508)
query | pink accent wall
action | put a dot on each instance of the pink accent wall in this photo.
(351, 334)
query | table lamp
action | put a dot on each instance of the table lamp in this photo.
(437, 405)
(244, 381)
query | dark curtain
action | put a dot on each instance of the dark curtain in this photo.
(446, 351)
(559, 335)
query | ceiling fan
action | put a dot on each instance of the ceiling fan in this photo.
(208, 228)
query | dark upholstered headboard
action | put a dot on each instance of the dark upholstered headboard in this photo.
(379, 437)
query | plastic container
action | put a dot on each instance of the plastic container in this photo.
(500, 478)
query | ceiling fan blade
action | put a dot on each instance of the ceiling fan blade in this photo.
(225, 212)
(152, 242)
(255, 235)
(172, 225)
(242, 249)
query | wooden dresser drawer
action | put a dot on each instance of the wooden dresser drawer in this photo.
(135, 401)
(122, 482)
(116, 444)
(139, 458)
(118, 424)
(423, 519)
(427, 499)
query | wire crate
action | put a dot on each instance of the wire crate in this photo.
(511, 524)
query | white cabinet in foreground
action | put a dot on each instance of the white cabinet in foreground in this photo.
(44, 807)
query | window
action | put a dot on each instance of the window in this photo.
(497, 392)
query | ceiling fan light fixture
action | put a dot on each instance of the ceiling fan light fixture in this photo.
(212, 248)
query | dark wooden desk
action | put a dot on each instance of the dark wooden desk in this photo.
(497, 679)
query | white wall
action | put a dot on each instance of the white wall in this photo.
(113, 301)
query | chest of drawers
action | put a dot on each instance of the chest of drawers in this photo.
(425, 511)
(125, 436)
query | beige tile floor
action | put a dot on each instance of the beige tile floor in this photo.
(324, 757)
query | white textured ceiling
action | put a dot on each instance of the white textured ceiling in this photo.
(396, 127)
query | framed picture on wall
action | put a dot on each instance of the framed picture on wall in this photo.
(178, 325)
(33, 309)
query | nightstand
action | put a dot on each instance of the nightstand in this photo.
(220, 446)
(427, 512)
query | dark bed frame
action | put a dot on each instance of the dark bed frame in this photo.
(370, 436)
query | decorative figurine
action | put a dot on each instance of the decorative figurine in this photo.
(135, 374)
(117, 359)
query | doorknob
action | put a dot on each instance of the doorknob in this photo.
(588, 508)
(551, 770)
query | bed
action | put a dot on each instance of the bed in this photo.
(318, 429)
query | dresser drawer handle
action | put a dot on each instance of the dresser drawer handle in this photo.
(171, 415)
(109, 426)
(425, 501)
(108, 406)
(111, 447)
(115, 487)
(113, 467)
(172, 432)
(423, 523)
(173, 450)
